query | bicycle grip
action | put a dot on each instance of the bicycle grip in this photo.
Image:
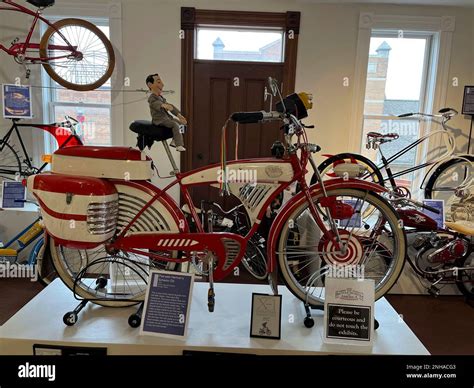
(247, 117)
(405, 115)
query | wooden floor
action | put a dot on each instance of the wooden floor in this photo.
(443, 324)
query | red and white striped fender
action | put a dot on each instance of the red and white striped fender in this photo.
(164, 204)
(299, 198)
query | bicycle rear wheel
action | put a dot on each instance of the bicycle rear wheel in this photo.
(254, 260)
(465, 278)
(326, 168)
(443, 183)
(85, 56)
(10, 165)
(374, 240)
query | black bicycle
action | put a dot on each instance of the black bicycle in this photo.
(16, 162)
(450, 177)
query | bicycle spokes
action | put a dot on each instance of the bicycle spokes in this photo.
(367, 244)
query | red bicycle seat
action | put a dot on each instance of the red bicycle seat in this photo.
(116, 153)
(383, 136)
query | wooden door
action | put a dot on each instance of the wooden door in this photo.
(212, 90)
(219, 90)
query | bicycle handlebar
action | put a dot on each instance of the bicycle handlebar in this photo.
(446, 113)
(254, 117)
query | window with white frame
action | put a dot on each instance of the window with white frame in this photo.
(92, 108)
(397, 83)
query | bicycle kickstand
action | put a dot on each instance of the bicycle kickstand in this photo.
(211, 300)
(136, 319)
(71, 317)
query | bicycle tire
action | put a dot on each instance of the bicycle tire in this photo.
(439, 171)
(465, 279)
(395, 266)
(73, 276)
(44, 262)
(438, 174)
(12, 157)
(95, 32)
(254, 261)
(325, 166)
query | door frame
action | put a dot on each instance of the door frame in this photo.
(192, 17)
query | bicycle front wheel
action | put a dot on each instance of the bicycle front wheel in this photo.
(445, 180)
(77, 54)
(374, 245)
(10, 165)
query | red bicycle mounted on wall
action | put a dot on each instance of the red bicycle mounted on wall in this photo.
(108, 224)
(75, 53)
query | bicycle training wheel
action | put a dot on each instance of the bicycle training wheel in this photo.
(375, 245)
(113, 280)
(78, 55)
(443, 183)
(10, 165)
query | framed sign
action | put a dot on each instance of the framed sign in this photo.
(439, 205)
(167, 304)
(16, 102)
(468, 101)
(265, 320)
(349, 311)
(13, 195)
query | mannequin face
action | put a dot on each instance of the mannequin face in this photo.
(157, 86)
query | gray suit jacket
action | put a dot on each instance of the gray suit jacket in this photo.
(159, 114)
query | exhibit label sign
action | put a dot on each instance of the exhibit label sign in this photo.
(167, 304)
(265, 320)
(349, 311)
(438, 204)
(13, 195)
(16, 102)
(468, 101)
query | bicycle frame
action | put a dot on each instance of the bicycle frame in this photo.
(63, 136)
(23, 239)
(387, 161)
(20, 49)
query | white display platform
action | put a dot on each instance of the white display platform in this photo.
(225, 330)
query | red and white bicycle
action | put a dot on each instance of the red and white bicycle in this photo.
(108, 224)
